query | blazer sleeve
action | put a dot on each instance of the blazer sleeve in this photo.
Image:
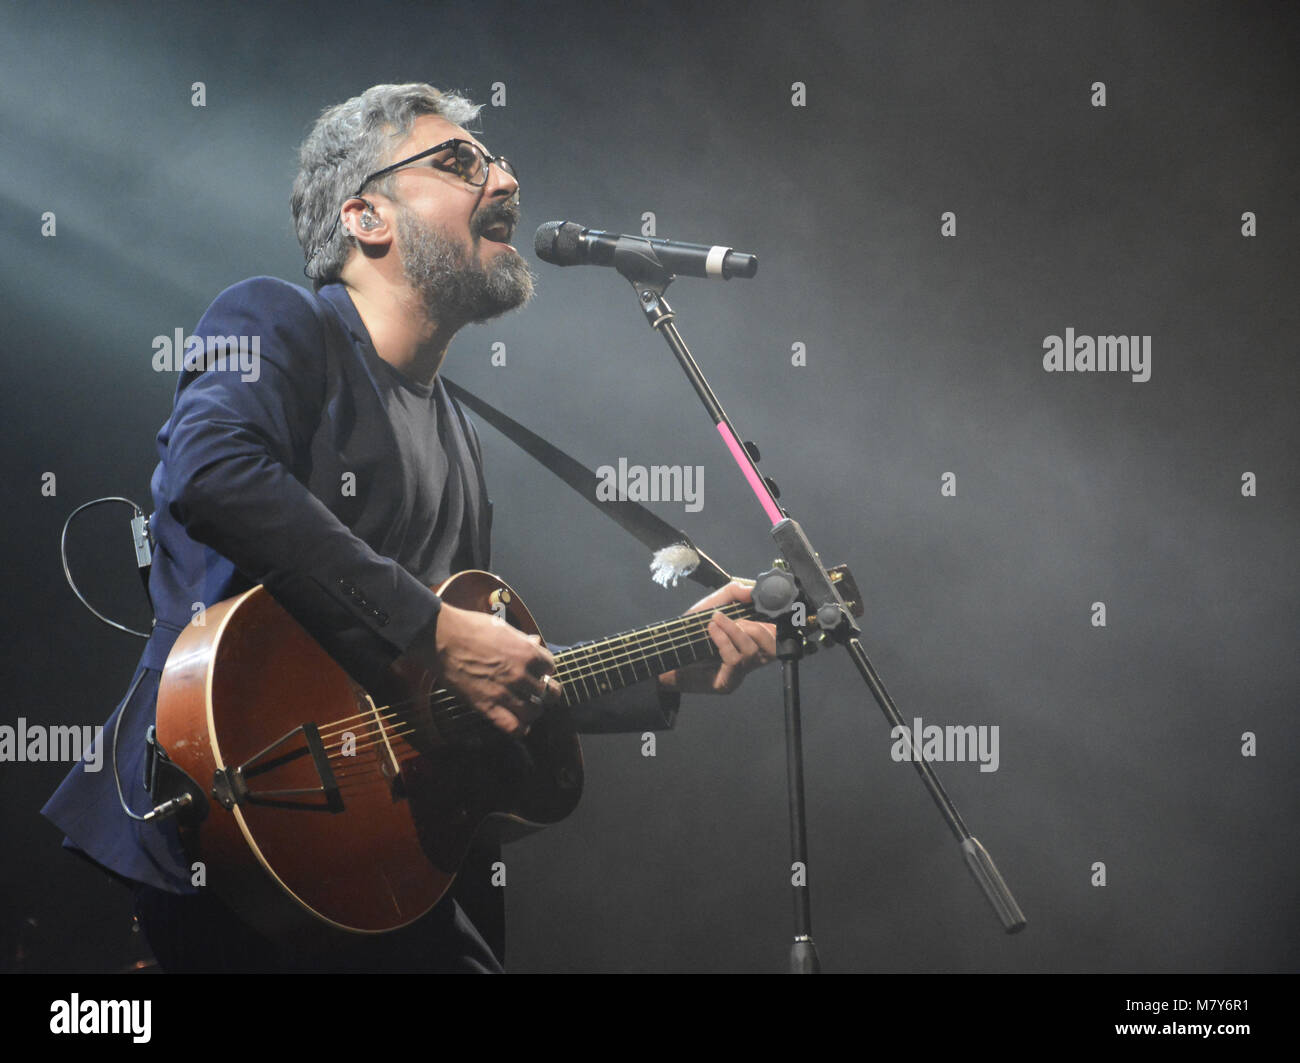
(238, 459)
(642, 707)
(638, 708)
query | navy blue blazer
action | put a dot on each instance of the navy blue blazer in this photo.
(247, 491)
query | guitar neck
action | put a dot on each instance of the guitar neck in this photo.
(592, 669)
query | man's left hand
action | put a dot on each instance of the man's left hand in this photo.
(743, 645)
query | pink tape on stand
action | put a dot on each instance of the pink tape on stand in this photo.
(747, 467)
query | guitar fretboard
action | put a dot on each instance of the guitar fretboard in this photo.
(591, 669)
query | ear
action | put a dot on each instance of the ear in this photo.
(366, 222)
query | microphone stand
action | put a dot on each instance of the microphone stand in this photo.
(776, 591)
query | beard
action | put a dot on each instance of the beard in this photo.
(454, 288)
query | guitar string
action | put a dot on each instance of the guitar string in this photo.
(583, 664)
(369, 739)
(352, 783)
(381, 736)
(575, 666)
(573, 673)
(450, 719)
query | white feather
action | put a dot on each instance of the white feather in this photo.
(672, 563)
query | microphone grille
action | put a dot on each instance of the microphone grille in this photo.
(558, 242)
(544, 241)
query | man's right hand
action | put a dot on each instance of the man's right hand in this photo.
(494, 667)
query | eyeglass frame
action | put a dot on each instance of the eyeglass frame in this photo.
(506, 167)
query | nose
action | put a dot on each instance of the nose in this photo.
(501, 184)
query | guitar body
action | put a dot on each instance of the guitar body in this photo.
(331, 806)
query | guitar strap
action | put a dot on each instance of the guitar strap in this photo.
(632, 517)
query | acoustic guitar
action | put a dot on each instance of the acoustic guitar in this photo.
(328, 805)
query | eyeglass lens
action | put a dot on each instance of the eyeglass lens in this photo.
(470, 164)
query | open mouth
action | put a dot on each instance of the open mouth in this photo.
(498, 232)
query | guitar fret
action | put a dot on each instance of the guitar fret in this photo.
(624, 665)
(591, 669)
(586, 692)
(609, 680)
(599, 676)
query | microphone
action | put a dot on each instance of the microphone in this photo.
(566, 243)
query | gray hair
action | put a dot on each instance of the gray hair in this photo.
(348, 142)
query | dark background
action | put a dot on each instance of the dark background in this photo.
(1119, 744)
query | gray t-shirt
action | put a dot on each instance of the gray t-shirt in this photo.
(434, 538)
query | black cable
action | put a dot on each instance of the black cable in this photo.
(117, 778)
(67, 572)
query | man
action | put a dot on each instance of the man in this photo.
(342, 477)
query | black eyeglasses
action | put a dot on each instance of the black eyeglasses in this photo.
(461, 158)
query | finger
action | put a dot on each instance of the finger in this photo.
(740, 639)
(506, 721)
(716, 600)
(764, 636)
(526, 691)
(543, 661)
(755, 640)
(726, 678)
(733, 591)
(520, 704)
(546, 690)
(552, 690)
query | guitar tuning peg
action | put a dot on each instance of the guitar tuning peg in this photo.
(751, 448)
(771, 486)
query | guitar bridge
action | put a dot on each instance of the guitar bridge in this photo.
(230, 786)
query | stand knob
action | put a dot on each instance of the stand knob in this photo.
(774, 592)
